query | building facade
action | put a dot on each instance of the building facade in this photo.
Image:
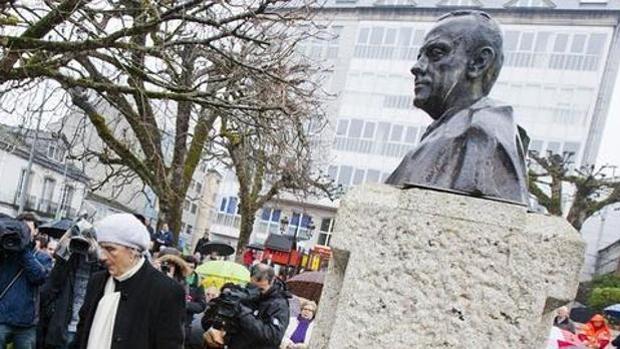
(55, 187)
(561, 62)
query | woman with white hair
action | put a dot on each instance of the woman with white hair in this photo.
(131, 305)
(299, 331)
(563, 321)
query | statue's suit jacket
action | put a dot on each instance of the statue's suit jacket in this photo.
(479, 150)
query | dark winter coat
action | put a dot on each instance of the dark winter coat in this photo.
(263, 325)
(20, 304)
(57, 300)
(150, 313)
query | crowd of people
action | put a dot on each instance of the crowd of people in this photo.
(117, 284)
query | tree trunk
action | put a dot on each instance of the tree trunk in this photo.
(248, 216)
(171, 212)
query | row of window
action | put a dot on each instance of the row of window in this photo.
(480, 3)
(348, 175)
(47, 202)
(569, 150)
(319, 48)
(559, 51)
(380, 138)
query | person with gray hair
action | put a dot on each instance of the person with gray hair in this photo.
(260, 324)
(474, 145)
(130, 305)
(563, 321)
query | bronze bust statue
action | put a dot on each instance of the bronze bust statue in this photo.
(473, 145)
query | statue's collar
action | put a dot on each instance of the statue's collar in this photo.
(482, 103)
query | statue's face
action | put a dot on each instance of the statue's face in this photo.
(440, 71)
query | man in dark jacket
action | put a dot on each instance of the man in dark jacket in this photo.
(132, 305)
(63, 294)
(262, 325)
(22, 271)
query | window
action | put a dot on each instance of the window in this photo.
(198, 187)
(530, 3)
(469, 3)
(332, 172)
(341, 129)
(344, 178)
(553, 148)
(561, 41)
(355, 131)
(194, 208)
(362, 37)
(376, 36)
(511, 39)
(372, 176)
(186, 205)
(397, 133)
(570, 151)
(411, 135)
(232, 205)
(299, 221)
(527, 42)
(223, 204)
(596, 44)
(579, 42)
(358, 177)
(67, 197)
(326, 231)
(536, 146)
(369, 130)
(271, 215)
(51, 151)
(542, 39)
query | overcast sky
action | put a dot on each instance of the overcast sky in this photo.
(610, 146)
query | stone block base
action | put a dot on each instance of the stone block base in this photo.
(425, 269)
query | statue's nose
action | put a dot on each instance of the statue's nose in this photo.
(419, 67)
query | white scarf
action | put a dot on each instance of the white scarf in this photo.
(102, 329)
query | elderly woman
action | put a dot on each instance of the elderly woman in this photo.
(299, 331)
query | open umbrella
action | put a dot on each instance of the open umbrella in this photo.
(56, 229)
(217, 273)
(222, 249)
(613, 311)
(308, 285)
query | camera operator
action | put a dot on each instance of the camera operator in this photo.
(22, 271)
(63, 294)
(260, 321)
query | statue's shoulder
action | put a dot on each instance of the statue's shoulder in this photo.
(493, 117)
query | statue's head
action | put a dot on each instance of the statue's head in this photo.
(458, 63)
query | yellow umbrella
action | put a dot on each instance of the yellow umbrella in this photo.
(217, 273)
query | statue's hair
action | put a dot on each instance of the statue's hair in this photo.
(485, 33)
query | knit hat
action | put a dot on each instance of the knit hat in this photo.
(123, 229)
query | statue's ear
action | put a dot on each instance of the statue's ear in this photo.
(481, 61)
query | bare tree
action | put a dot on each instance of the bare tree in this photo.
(151, 76)
(591, 189)
(272, 151)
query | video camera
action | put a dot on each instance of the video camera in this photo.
(222, 311)
(14, 235)
(79, 239)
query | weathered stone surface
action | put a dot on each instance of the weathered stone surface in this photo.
(425, 269)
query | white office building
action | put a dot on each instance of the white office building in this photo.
(561, 61)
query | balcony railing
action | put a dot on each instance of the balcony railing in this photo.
(47, 207)
(228, 219)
